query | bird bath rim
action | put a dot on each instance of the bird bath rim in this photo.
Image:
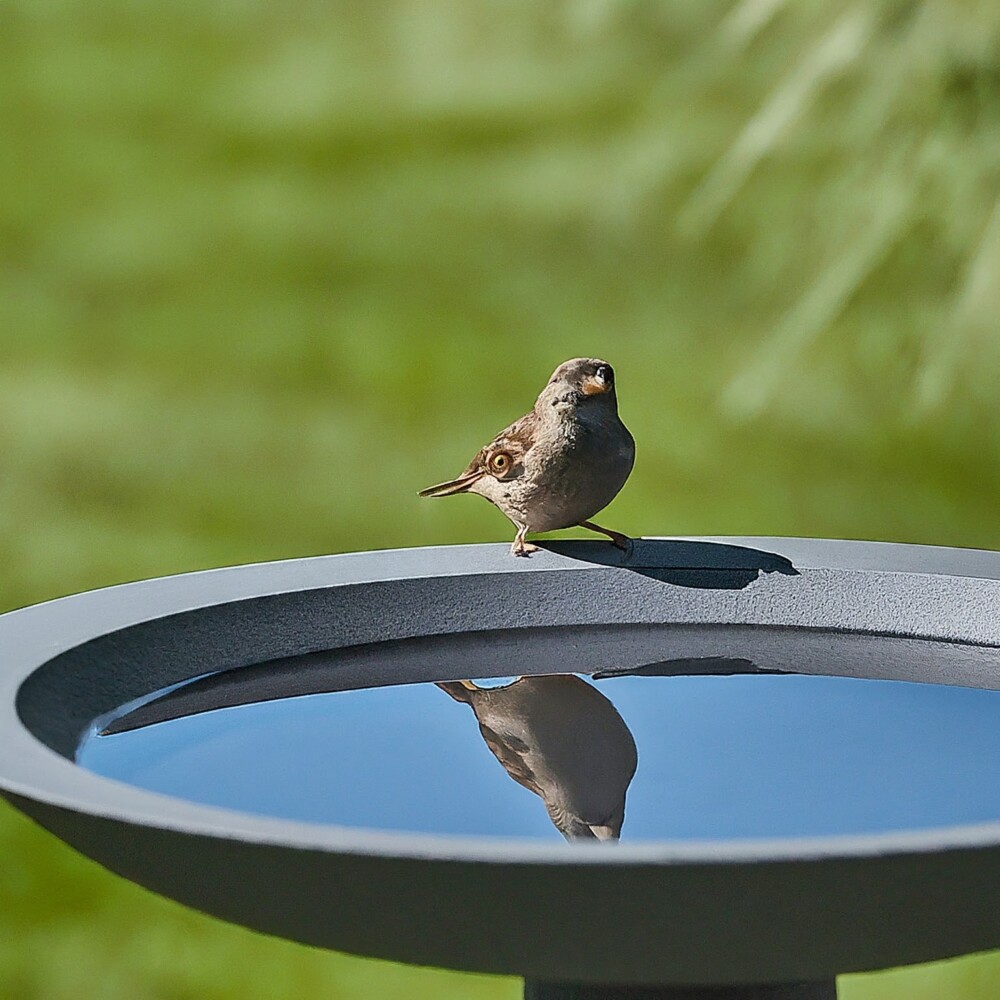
(737, 911)
(28, 769)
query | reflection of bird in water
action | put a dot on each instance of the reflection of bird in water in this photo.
(563, 740)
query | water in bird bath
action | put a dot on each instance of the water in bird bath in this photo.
(721, 751)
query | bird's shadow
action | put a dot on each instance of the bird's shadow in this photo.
(682, 563)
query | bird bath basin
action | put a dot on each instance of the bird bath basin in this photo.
(705, 768)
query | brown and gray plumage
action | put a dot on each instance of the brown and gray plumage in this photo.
(561, 463)
(560, 738)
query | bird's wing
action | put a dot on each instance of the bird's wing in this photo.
(510, 751)
(518, 436)
(513, 439)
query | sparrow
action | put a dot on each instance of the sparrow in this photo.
(562, 739)
(561, 463)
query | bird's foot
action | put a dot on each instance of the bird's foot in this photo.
(522, 548)
(618, 540)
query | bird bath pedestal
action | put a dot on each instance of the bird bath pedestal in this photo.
(774, 914)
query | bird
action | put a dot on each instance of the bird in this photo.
(562, 739)
(559, 464)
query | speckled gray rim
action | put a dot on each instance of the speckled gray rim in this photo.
(714, 912)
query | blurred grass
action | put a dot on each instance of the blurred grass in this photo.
(266, 270)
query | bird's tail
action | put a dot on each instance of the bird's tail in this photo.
(460, 485)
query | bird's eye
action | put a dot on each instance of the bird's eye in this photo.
(500, 462)
(605, 374)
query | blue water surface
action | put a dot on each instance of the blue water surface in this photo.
(718, 758)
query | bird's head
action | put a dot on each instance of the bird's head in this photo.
(580, 382)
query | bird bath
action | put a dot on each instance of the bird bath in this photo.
(707, 768)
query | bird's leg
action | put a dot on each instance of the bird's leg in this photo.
(619, 540)
(520, 546)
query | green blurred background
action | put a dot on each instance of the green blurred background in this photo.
(266, 269)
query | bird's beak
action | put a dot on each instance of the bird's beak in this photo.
(460, 485)
(606, 832)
